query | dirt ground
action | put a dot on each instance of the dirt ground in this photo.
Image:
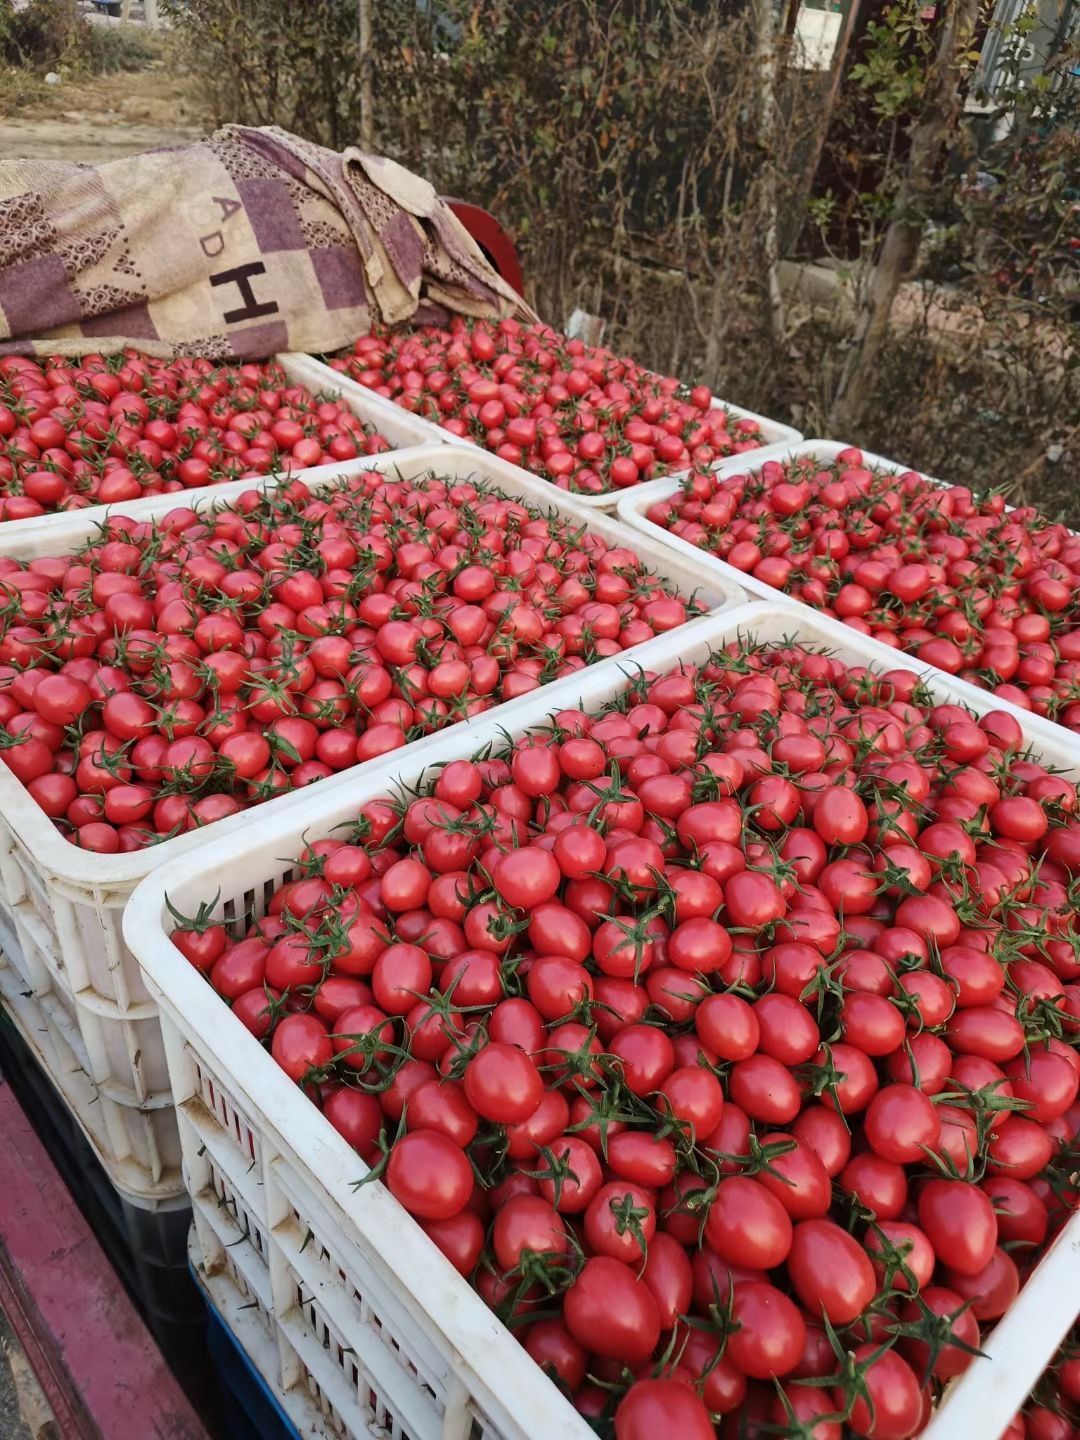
(102, 117)
(24, 1410)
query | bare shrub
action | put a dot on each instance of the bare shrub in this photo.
(644, 155)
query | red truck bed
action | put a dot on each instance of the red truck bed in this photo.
(96, 1372)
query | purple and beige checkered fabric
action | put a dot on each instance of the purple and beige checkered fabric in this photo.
(250, 242)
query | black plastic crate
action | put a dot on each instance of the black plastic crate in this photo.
(147, 1248)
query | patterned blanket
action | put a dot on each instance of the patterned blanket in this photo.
(250, 242)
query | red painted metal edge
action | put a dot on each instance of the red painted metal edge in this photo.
(21, 1314)
(93, 1356)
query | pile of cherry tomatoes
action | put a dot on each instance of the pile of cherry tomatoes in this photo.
(102, 429)
(980, 591)
(726, 1038)
(570, 412)
(170, 673)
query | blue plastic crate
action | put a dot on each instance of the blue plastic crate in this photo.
(249, 1408)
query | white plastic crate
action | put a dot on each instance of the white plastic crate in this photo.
(247, 1328)
(634, 504)
(402, 430)
(391, 421)
(367, 1316)
(91, 1054)
(65, 972)
(399, 425)
(778, 438)
(980, 1404)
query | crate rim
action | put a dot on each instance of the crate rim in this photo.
(634, 503)
(365, 404)
(752, 460)
(785, 436)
